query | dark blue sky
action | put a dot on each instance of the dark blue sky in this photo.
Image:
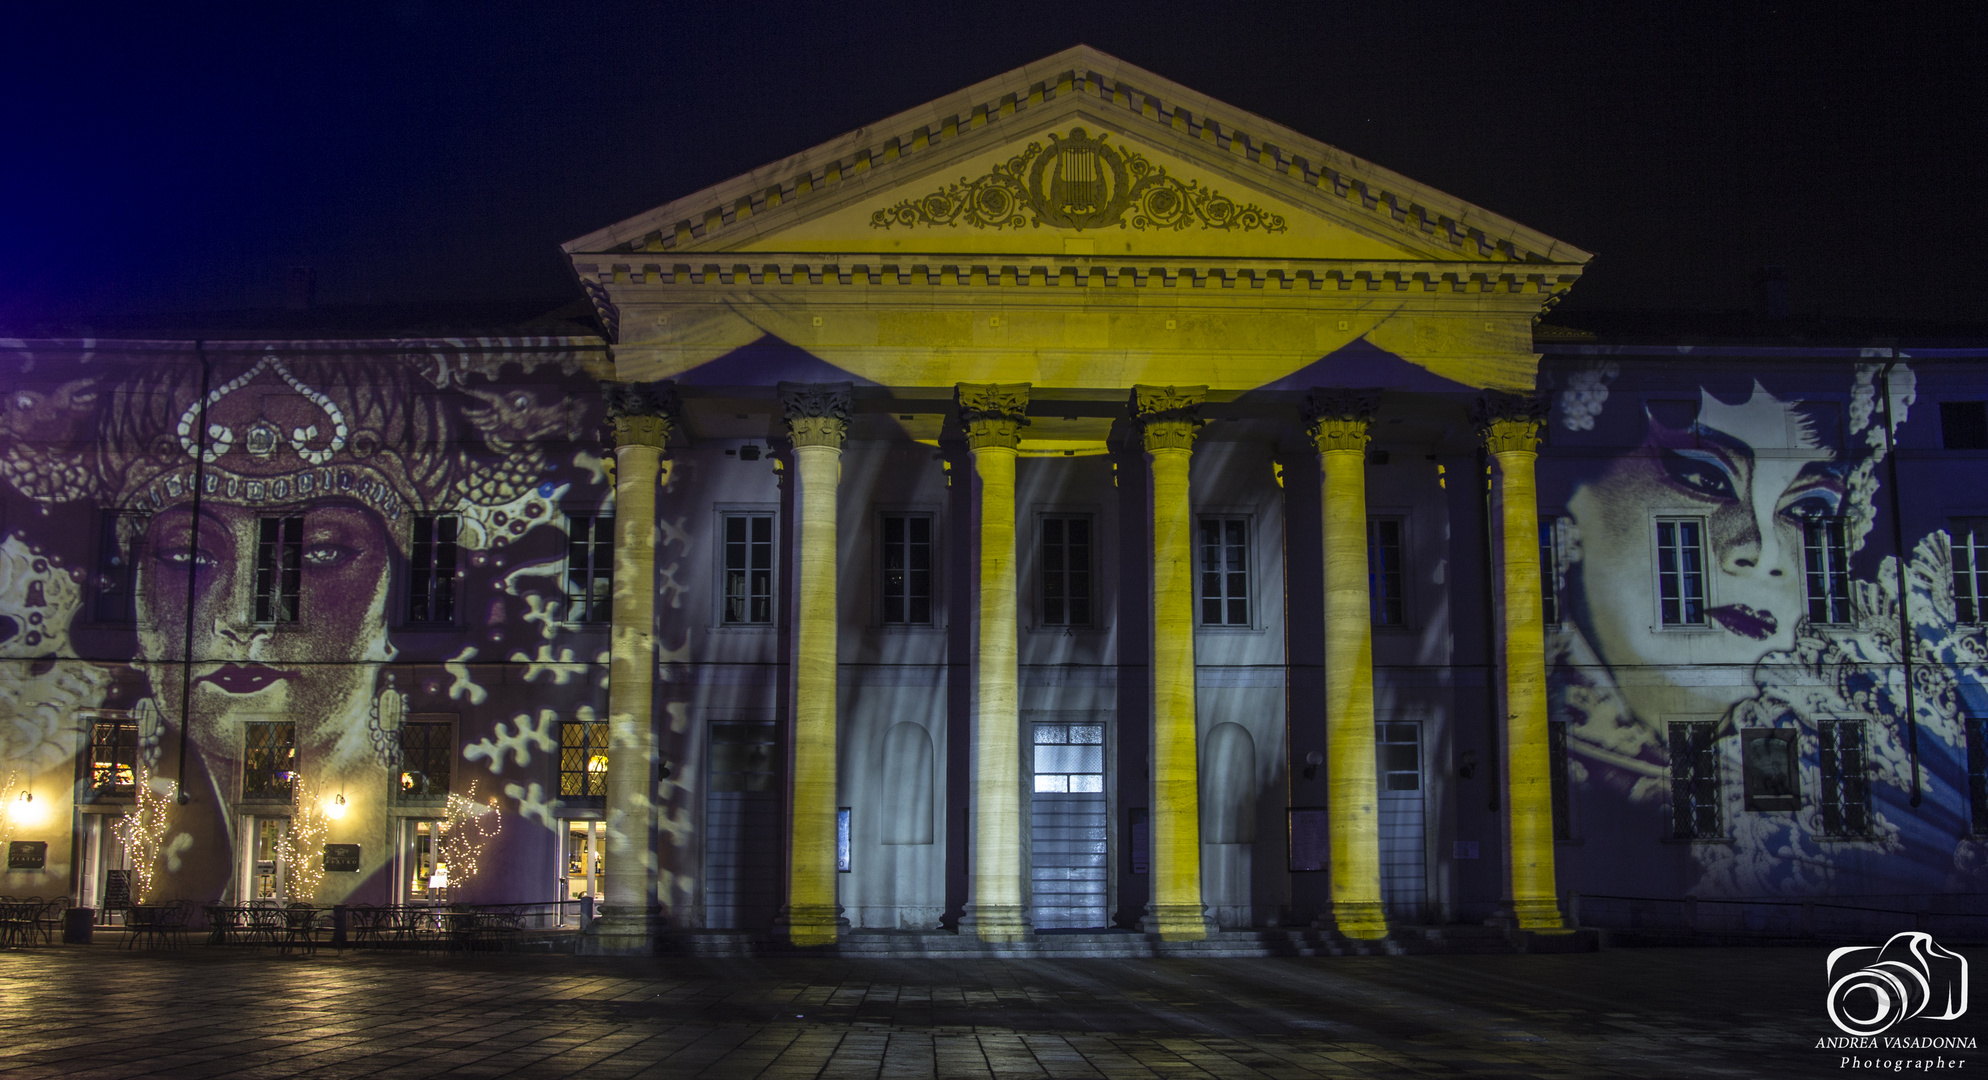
(432, 150)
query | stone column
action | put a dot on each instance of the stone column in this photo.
(1338, 425)
(1510, 426)
(1168, 420)
(992, 415)
(817, 423)
(641, 417)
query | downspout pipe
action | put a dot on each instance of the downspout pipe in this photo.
(1907, 642)
(193, 570)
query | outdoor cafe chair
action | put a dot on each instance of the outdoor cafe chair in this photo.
(300, 926)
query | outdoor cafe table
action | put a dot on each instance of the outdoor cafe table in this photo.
(146, 920)
(17, 922)
(225, 919)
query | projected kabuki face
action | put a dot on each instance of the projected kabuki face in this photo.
(1743, 479)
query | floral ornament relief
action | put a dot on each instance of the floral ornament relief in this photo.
(1079, 182)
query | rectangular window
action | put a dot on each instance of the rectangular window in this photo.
(1556, 771)
(1384, 582)
(1977, 771)
(1224, 571)
(1845, 797)
(1826, 569)
(742, 756)
(117, 542)
(1681, 572)
(1694, 781)
(269, 761)
(1069, 757)
(431, 570)
(426, 749)
(583, 762)
(1970, 572)
(113, 757)
(589, 569)
(279, 563)
(1399, 750)
(749, 569)
(1549, 573)
(1065, 557)
(1964, 425)
(907, 570)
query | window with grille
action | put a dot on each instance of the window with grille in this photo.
(1977, 772)
(1069, 757)
(1225, 571)
(431, 570)
(590, 569)
(742, 756)
(907, 570)
(269, 761)
(427, 747)
(1549, 573)
(1681, 572)
(1826, 570)
(1694, 780)
(113, 757)
(1064, 558)
(1384, 579)
(117, 542)
(749, 569)
(583, 762)
(1556, 771)
(1845, 798)
(1970, 574)
(1398, 746)
(279, 561)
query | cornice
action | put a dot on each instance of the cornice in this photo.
(1024, 271)
(1140, 101)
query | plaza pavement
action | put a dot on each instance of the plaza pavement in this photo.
(96, 1012)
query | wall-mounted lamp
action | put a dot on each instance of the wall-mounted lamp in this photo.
(24, 811)
(1312, 761)
(335, 808)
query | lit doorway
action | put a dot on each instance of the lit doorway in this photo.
(264, 869)
(1067, 856)
(420, 874)
(584, 872)
(1404, 866)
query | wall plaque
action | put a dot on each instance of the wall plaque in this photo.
(27, 854)
(1311, 838)
(1772, 781)
(341, 858)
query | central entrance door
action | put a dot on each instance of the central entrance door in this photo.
(742, 826)
(1067, 827)
(1404, 873)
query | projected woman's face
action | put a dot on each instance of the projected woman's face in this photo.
(1753, 476)
(250, 661)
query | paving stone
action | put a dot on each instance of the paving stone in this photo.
(197, 1013)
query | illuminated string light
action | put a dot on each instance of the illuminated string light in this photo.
(466, 829)
(143, 833)
(303, 841)
(9, 816)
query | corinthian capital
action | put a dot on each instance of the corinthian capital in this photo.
(817, 413)
(992, 414)
(1168, 416)
(1509, 422)
(1337, 418)
(640, 414)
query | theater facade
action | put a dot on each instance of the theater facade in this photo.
(1072, 504)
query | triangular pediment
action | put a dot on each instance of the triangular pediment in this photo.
(1079, 154)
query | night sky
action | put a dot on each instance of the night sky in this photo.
(432, 151)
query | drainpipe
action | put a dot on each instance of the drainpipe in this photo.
(1906, 639)
(193, 570)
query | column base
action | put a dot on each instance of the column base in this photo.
(614, 933)
(811, 924)
(997, 923)
(1177, 922)
(1361, 920)
(1542, 913)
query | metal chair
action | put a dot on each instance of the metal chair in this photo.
(300, 925)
